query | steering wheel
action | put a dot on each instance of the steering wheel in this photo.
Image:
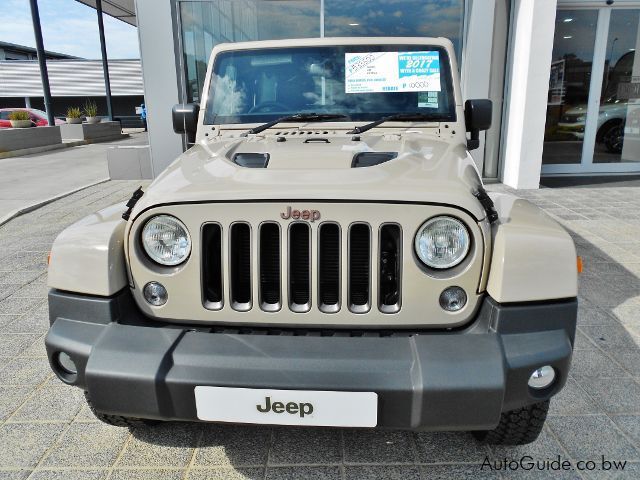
(269, 107)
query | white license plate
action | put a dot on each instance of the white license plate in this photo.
(287, 407)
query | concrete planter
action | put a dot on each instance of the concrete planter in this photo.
(73, 121)
(92, 132)
(93, 120)
(21, 123)
(12, 139)
(132, 162)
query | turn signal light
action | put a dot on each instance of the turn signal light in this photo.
(49, 258)
(580, 264)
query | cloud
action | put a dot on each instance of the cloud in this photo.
(67, 27)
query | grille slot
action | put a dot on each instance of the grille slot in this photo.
(299, 267)
(389, 298)
(212, 266)
(359, 268)
(240, 266)
(269, 255)
(329, 268)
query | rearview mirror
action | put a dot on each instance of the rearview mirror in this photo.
(185, 118)
(477, 116)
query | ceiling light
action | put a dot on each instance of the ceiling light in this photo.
(567, 20)
(354, 24)
(567, 37)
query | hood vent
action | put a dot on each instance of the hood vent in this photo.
(251, 160)
(370, 159)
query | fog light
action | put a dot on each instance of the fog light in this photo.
(453, 299)
(542, 377)
(67, 364)
(155, 294)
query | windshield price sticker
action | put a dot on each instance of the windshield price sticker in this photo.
(382, 72)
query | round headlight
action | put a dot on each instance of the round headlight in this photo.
(166, 240)
(442, 242)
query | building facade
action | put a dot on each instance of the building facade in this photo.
(561, 74)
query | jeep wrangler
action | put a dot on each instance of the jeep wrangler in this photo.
(325, 254)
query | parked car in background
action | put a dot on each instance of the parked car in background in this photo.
(38, 117)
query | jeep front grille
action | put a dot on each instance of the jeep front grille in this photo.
(299, 274)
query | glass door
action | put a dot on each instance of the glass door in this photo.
(593, 112)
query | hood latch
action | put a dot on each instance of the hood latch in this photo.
(486, 202)
(137, 195)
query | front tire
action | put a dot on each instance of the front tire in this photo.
(517, 427)
(118, 420)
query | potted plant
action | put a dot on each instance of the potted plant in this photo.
(74, 115)
(20, 119)
(91, 112)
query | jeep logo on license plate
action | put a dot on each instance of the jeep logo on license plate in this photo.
(308, 215)
(292, 408)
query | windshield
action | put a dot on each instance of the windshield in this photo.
(362, 82)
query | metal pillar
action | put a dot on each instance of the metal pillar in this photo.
(105, 64)
(42, 62)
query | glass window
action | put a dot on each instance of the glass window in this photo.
(569, 83)
(404, 18)
(253, 86)
(206, 24)
(618, 137)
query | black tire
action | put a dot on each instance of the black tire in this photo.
(118, 420)
(613, 138)
(517, 427)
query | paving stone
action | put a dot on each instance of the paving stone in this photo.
(50, 404)
(630, 424)
(11, 398)
(631, 472)
(70, 474)
(24, 444)
(25, 371)
(582, 342)
(14, 474)
(449, 447)
(590, 436)
(28, 323)
(167, 445)
(595, 316)
(306, 473)
(12, 345)
(36, 349)
(458, 472)
(305, 445)
(146, 474)
(226, 474)
(628, 358)
(18, 305)
(609, 336)
(572, 399)
(234, 445)
(87, 444)
(594, 363)
(546, 446)
(616, 395)
(388, 472)
(378, 446)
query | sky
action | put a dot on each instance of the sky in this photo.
(67, 27)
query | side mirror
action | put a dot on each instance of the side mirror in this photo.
(477, 116)
(185, 118)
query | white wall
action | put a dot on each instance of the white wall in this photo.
(155, 31)
(476, 59)
(528, 84)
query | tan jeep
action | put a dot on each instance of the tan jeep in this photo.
(324, 254)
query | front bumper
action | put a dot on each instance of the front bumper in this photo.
(425, 380)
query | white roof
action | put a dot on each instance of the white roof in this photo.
(70, 78)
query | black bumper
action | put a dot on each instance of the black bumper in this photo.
(134, 367)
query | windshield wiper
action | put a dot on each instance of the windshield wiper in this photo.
(401, 117)
(304, 117)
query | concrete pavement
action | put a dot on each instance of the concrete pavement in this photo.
(32, 179)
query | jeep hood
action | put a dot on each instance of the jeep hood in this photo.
(316, 167)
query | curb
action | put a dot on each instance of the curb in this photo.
(42, 203)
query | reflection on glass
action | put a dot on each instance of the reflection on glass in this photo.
(618, 137)
(207, 23)
(403, 18)
(569, 83)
